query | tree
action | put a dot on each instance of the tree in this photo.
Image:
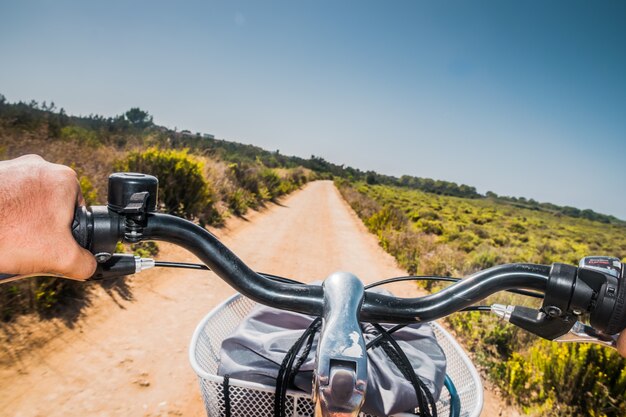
(138, 118)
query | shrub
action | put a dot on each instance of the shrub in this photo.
(247, 176)
(238, 202)
(428, 215)
(272, 183)
(582, 376)
(485, 257)
(80, 135)
(517, 228)
(89, 192)
(50, 293)
(183, 190)
(145, 249)
(430, 226)
(388, 217)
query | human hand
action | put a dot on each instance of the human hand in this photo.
(37, 203)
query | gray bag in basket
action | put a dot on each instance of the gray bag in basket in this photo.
(255, 351)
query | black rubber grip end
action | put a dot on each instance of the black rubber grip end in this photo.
(81, 227)
(617, 322)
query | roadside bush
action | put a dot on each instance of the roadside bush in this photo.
(238, 201)
(387, 217)
(581, 376)
(145, 249)
(247, 176)
(183, 190)
(517, 228)
(44, 295)
(484, 257)
(80, 135)
(252, 184)
(364, 206)
(433, 227)
(272, 183)
(298, 176)
(90, 194)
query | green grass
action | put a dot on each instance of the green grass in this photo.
(444, 235)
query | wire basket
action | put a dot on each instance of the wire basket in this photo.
(253, 399)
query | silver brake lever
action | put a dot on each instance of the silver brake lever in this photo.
(584, 333)
(578, 333)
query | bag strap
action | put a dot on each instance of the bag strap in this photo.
(226, 393)
(287, 370)
(425, 400)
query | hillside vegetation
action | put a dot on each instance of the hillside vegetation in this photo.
(193, 181)
(136, 128)
(442, 235)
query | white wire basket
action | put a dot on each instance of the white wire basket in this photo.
(253, 399)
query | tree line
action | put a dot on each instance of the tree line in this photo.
(116, 130)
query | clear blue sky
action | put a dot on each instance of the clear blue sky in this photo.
(521, 98)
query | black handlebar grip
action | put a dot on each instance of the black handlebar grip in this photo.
(82, 227)
(617, 322)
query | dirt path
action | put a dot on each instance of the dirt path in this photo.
(129, 357)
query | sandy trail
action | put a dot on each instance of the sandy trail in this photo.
(129, 358)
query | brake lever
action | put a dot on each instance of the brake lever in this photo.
(584, 333)
(578, 332)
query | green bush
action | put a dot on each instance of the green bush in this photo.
(80, 135)
(257, 184)
(145, 249)
(247, 176)
(89, 191)
(238, 201)
(183, 190)
(517, 228)
(388, 217)
(582, 377)
(272, 183)
(430, 226)
(51, 293)
(485, 257)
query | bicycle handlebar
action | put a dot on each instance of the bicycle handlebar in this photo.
(308, 299)
(595, 290)
(569, 291)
